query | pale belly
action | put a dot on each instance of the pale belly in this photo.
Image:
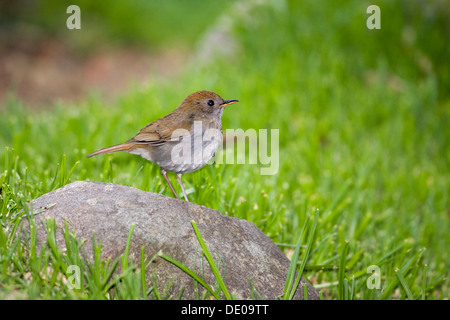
(187, 155)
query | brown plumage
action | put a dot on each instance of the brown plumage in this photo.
(160, 140)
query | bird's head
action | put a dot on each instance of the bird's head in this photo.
(205, 102)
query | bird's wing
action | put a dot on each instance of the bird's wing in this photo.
(157, 133)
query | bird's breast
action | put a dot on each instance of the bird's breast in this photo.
(187, 151)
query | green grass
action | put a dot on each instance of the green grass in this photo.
(363, 124)
(149, 25)
(291, 286)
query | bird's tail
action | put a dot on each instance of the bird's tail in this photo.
(119, 147)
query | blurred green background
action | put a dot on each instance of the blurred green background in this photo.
(362, 114)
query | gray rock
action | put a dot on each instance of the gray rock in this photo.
(163, 223)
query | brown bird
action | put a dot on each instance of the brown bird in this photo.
(182, 141)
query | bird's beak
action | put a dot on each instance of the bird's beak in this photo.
(228, 102)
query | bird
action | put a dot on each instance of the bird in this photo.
(184, 140)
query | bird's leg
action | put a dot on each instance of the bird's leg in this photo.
(182, 187)
(163, 172)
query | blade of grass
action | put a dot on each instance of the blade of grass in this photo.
(305, 291)
(221, 262)
(105, 283)
(341, 272)
(127, 248)
(180, 293)
(306, 254)
(211, 262)
(404, 269)
(189, 272)
(352, 295)
(424, 282)
(143, 280)
(155, 289)
(67, 177)
(293, 265)
(345, 289)
(404, 284)
(389, 253)
(253, 291)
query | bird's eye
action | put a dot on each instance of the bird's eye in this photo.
(210, 103)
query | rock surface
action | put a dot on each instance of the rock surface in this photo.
(163, 223)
